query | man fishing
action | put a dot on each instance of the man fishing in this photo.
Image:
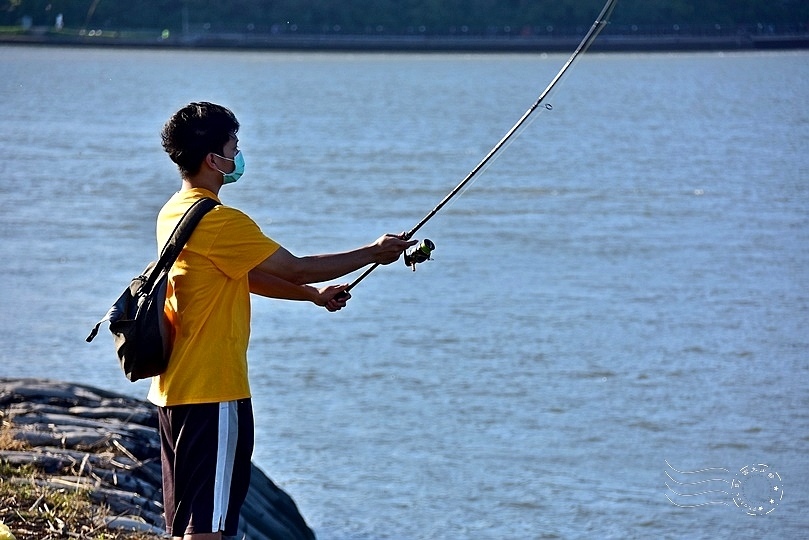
(203, 398)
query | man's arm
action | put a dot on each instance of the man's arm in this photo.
(271, 286)
(318, 268)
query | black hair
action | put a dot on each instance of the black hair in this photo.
(195, 131)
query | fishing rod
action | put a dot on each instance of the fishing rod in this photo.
(425, 248)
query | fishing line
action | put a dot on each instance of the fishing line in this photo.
(422, 252)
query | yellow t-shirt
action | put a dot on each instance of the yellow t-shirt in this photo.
(208, 303)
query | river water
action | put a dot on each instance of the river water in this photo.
(622, 293)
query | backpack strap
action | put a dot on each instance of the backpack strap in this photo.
(175, 244)
(179, 238)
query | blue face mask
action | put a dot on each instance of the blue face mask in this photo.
(238, 168)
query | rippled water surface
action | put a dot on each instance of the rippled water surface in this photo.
(625, 286)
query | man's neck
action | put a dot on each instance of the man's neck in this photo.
(211, 184)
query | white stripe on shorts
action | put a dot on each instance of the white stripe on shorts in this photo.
(225, 455)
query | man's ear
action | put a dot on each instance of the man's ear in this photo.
(209, 161)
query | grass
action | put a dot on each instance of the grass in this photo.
(37, 512)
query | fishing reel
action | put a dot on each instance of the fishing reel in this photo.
(420, 254)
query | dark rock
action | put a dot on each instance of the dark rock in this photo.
(108, 444)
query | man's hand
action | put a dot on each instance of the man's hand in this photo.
(389, 248)
(330, 297)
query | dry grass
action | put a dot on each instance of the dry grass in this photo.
(7, 440)
(36, 512)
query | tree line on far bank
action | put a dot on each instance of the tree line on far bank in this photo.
(429, 17)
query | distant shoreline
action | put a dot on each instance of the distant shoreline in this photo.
(362, 43)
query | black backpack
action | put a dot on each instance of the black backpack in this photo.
(139, 327)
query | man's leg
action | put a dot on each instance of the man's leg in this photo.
(199, 446)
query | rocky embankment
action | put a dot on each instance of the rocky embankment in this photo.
(108, 444)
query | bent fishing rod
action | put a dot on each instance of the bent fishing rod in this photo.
(423, 251)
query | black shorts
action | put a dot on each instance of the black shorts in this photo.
(206, 451)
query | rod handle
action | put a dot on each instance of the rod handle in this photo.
(340, 295)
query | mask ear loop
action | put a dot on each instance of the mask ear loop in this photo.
(223, 173)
